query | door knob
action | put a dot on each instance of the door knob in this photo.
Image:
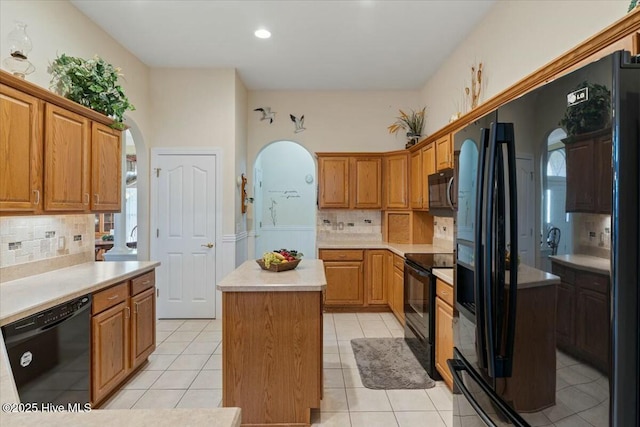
(208, 245)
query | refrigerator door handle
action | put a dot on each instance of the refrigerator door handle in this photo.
(457, 366)
(507, 359)
(487, 258)
(479, 251)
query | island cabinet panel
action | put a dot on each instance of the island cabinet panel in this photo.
(272, 355)
(21, 151)
(66, 160)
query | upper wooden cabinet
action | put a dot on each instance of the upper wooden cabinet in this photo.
(66, 160)
(106, 168)
(333, 182)
(589, 172)
(21, 148)
(366, 183)
(57, 156)
(423, 164)
(352, 181)
(444, 153)
(395, 185)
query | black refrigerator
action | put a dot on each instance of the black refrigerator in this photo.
(549, 200)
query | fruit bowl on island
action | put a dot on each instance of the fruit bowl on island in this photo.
(280, 260)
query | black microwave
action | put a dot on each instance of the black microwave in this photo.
(442, 200)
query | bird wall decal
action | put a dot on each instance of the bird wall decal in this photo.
(267, 114)
(299, 122)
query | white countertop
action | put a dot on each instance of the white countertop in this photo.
(584, 262)
(444, 274)
(249, 277)
(24, 297)
(529, 277)
(215, 417)
(398, 248)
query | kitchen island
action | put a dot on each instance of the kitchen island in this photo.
(272, 342)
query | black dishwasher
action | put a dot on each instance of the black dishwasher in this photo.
(49, 354)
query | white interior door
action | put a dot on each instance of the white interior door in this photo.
(184, 233)
(526, 209)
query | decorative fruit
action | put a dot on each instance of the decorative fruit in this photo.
(279, 256)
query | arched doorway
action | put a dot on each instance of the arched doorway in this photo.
(131, 241)
(556, 223)
(285, 198)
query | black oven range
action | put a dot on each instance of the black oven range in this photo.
(419, 305)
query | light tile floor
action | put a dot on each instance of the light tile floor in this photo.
(185, 371)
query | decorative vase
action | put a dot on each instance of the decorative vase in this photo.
(19, 46)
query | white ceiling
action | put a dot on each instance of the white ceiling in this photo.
(315, 44)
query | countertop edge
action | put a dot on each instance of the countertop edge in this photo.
(214, 417)
(271, 288)
(396, 248)
(443, 275)
(12, 317)
(579, 266)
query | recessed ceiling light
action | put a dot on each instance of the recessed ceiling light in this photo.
(262, 34)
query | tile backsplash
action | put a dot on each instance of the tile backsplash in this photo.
(349, 224)
(44, 240)
(592, 234)
(443, 231)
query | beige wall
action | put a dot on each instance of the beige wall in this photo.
(241, 106)
(196, 108)
(515, 39)
(57, 27)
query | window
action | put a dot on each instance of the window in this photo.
(557, 163)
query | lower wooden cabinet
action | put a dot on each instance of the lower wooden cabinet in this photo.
(143, 330)
(444, 332)
(344, 283)
(357, 278)
(110, 350)
(123, 333)
(376, 277)
(397, 288)
(582, 312)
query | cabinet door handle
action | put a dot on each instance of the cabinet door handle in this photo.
(444, 292)
(135, 308)
(146, 282)
(37, 202)
(96, 196)
(128, 312)
(86, 198)
(113, 297)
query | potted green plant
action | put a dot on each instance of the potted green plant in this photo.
(412, 123)
(591, 114)
(92, 83)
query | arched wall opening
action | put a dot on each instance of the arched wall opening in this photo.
(285, 195)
